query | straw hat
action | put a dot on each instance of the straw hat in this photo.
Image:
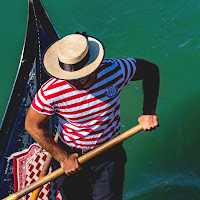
(73, 57)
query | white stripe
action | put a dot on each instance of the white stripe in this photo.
(67, 134)
(76, 138)
(82, 106)
(107, 70)
(99, 113)
(109, 135)
(42, 98)
(48, 84)
(133, 65)
(122, 68)
(76, 126)
(64, 95)
(55, 90)
(43, 112)
(74, 100)
(88, 106)
(83, 131)
(42, 107)
(59, 81)
(128, 70)
(79, 142)
(115, 124)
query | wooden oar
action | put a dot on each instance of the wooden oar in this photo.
(43, 173)
(81, 160)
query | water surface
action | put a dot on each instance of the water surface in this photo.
(163, 164)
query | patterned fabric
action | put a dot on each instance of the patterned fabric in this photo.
(26, 169)
(90, 117)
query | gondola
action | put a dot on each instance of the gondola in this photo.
(40, 34)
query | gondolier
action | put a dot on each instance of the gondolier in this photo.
(84, 92)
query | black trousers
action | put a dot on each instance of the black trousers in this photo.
(101, 178)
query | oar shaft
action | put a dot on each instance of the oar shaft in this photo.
(81, 160)
(110, 143)
(35, 185)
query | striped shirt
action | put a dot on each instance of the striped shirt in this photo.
(88, 117)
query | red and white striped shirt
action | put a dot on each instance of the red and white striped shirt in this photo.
(88, 117)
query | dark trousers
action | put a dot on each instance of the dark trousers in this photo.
(101, 178)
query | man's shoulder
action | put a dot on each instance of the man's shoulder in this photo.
(118, 61)
(53, 83)
(108, 63)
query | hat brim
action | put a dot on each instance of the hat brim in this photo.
(52, 67)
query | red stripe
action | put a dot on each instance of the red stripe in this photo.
(85, 130)
(89, 139)
(81, 102)
(55, 94)
(48, 82)
(91, 145)
(131, 66)
(67, 98)
(41, 102)
(102, 142)
(113, 81)
(72, 133)
(111, 130)
(108, 74)
(39, 109)
(117, 118)
(95, 118)
(106, 63)
(35, 106)
(84, 110)
(131, 59)
(103, 122)
(57, 84)
(82, 145)
(125, 67)
(71, 138)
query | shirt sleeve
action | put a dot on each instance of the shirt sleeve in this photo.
(128, 67)
(41, 104)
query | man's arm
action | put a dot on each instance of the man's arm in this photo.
(149, 73)
(34, 125)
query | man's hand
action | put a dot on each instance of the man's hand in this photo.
(70, 164)
(149, 122)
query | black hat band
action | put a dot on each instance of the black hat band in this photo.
(76, 66)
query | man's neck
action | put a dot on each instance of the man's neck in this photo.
(92, 79)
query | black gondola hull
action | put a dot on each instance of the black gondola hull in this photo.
(30, 76)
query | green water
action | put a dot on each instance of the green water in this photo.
(163, 164)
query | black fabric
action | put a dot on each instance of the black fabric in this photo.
(101, 178)
(149, 73)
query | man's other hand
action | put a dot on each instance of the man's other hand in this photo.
(149, 122)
